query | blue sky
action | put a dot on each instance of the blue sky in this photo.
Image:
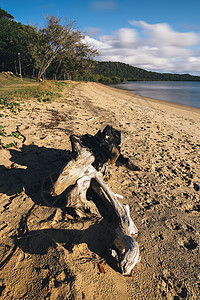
(155, 35)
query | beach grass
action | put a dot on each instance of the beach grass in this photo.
(12, 88)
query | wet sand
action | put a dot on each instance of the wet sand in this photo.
(59, 259)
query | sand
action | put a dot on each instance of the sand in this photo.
(59, 260)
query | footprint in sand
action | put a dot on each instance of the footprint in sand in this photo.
(170, 287)
(190, 244)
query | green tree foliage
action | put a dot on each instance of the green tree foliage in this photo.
(64, 46)
(10, 35)
(103, 79)
(5, 15)
(121, 70)
(17, 38)
(56, 48)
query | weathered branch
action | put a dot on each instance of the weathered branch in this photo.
(74, 170)
(81, 174)
(77, 196)
(127, 247)
(122, 211)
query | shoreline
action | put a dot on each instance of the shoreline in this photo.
(159, 101)
(167, 101)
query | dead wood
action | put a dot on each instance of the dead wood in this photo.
(127, 248)
(74, 170)
(81, 173)
(77, 199)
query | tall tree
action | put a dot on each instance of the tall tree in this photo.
(11, 34)
(76, 62)
(59, 41)
(17, 38)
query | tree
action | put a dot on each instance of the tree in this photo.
(11, 34)
(5, 15)
(17, 38)
(54, 49)
(60, 41)
(76, 63)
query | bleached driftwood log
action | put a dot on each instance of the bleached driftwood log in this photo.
(80, 173)
(126, 249)
(75, 169)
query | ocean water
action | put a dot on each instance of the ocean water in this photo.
(182, 92)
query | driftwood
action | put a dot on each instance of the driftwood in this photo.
(81, 174)
(126, 249)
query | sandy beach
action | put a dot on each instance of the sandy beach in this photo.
(59, 259)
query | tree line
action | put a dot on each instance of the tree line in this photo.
(127, 72)
(56, 51)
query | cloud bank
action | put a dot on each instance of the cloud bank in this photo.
(155, 47)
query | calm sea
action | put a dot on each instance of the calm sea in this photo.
(182, 92)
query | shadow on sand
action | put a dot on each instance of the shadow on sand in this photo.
(31, 166)
(98, 237)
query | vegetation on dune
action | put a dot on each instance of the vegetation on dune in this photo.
(47, 90)
(7, 107)
(11, 105)
(11, 101)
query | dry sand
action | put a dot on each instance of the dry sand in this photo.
(58, 260)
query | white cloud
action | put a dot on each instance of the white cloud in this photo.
(158, 48)
(123, 38)
(163, 34)
(97, 44)
(174, 51)
(127, 37)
